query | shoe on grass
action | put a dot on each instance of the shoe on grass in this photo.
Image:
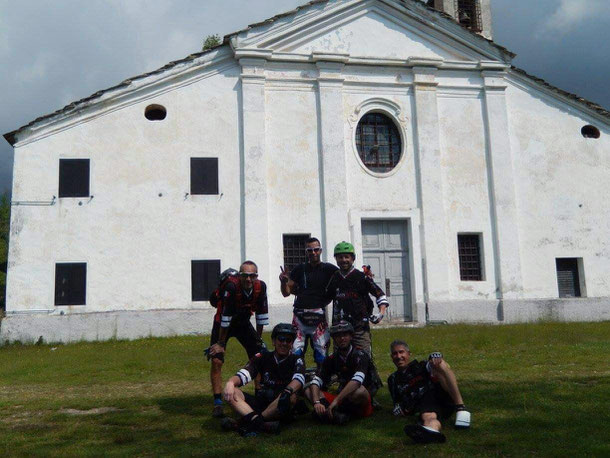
(217, 411)
(462, 417)
(339, 418)
(270, 427)
(422, 435)
(229, 424)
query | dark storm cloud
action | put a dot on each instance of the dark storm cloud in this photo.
(53, 52)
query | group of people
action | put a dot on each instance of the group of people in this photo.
(427, 389)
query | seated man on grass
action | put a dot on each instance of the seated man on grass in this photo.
(282, 376)
(427, 389)
(352, 366)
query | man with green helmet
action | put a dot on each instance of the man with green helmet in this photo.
(351, 290)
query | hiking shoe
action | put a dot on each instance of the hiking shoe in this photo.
(340, 418)
(270, 427)
(217, 411)
(228, 424)
(421, 435)
(244, 432)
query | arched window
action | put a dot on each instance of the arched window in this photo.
(378, 142)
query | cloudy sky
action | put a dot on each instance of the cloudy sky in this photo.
(53, 52)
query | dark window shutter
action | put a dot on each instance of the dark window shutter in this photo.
(294, 250)
(204, 278)
(70, 283)
(74, 178)
(568, 281)
(204, 175)
(469, 251)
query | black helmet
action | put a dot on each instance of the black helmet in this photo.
(230, 272)
(283, 328)
(341, 326)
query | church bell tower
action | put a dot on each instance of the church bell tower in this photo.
(473, 14)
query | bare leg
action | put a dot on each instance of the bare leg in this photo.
(447, 379)
(216, 375)
(430, 420)
(239, 404)
(271, 413)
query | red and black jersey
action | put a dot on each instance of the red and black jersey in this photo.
(276, 373)
(238, 305)
(356, 365)
(351, 294)
(408, 386)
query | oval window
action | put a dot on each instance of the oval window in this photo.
(590, 131)
(378, 142)
(155, 112)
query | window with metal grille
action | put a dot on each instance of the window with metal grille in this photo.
(74, 178)
(294, 250)
(204, 175)
(204, 278)
(469, 250)
(469, 14)
(70, 283)
(568, 280)
(378, 142)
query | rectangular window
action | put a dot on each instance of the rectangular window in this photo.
(204, 175)
(204, 278)
(568, 278)
(74, 178)
(294, 250)
(469, 250)
(70, 283)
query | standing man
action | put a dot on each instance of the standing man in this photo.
(352, 366)
(241, 296)
(282, 376)
(308, 282)
(427, 389)
(351, 290)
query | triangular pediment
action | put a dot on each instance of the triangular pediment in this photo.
(382, 29)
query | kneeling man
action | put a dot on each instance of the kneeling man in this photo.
(427, 389)
(352, 366)
(282, 376)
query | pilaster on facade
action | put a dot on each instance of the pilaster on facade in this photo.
(333, 182)
(501, 181)
(254, 202)
(429, 181)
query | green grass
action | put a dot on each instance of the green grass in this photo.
(538, 389)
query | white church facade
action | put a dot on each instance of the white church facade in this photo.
(475, 191)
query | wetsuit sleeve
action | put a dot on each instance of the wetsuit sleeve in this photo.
(250, 370)
(299, 371)
(229, 304)
(361, 366)
(375, 290)
(323, 375)
(262, 307)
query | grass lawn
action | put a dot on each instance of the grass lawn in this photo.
(536, 389)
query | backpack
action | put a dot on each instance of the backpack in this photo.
(223, 279)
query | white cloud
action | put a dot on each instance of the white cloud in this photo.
(571, 13)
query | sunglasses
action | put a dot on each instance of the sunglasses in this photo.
(285, 339)
(313, 250)
(247, 275)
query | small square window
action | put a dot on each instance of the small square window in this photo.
(70, 283)
(204, 175)
(294, 250)
(568, 277)
(469, 251)
(74, 178)
(204, 278)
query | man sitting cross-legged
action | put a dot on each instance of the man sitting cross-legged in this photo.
(352, 366)
(282, 376)
(427, 389)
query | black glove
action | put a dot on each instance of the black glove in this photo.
(283, 404)
(436, 354)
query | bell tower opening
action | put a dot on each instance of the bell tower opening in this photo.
(472, 14)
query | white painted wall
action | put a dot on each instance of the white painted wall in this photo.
(294, 116)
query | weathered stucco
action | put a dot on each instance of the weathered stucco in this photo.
(484, 151)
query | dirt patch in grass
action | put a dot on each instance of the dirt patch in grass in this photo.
(94, 411)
